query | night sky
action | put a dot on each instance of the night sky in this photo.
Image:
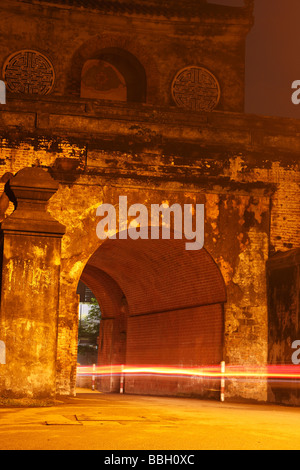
(273, 57)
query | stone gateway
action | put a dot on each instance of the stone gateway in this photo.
(112, 99)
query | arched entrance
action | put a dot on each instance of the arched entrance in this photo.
(161, 305)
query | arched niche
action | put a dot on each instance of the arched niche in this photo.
(113, 74)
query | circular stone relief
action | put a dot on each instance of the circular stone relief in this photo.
(196, 89)
(29, 72)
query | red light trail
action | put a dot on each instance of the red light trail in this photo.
(279, 372)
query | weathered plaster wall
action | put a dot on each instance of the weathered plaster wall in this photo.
(242, 192)
(28, 321)
(30, 271)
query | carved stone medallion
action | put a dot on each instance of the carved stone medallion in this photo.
(196, 89)
(29, 72)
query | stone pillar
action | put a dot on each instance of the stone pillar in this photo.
(30, 271)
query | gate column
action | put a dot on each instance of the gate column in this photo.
(30, 271)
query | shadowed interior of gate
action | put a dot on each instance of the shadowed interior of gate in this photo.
(161, 305)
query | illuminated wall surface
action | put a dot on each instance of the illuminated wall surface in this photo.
(162, 103)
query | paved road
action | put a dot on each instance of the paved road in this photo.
(93, 421)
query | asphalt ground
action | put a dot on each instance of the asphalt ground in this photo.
(95, 421)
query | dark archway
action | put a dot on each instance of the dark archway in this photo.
(113, 65)
(114, 69)
(161, 305)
